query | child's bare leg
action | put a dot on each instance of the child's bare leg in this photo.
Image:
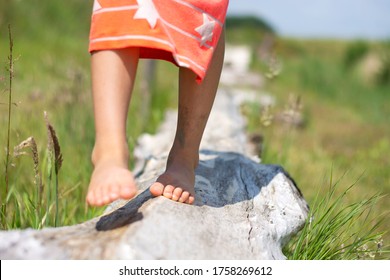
(195, 103)
(113, 74)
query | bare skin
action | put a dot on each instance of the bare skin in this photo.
(111, 178)
(195, 103)
(113, 75)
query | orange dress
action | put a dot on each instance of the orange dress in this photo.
(184, 32)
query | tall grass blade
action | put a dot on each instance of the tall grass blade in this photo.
(7, 157)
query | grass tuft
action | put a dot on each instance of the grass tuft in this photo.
(337, 230)
(19, 151)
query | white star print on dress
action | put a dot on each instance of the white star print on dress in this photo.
(206, 30)
(188, 29)
(96, 6)
(147, 10)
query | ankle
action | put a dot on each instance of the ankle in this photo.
(183, 157)
(108, 151)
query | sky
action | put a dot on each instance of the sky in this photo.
(350, 19)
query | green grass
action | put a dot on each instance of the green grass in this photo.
(345, 126)
(338, 230)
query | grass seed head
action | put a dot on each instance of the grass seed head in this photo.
(54, 144)
(19, 150)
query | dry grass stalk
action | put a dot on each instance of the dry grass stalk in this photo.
(274, 67)
(266, 116)
(292, 113)
(19, 151)
(54, 150)
(54, 144)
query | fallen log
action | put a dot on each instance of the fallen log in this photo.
(243, 209)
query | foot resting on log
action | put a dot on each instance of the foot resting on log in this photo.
(178, 180)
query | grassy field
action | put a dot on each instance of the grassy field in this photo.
(344, 130)
(344, 104)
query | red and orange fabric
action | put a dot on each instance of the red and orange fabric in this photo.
(184, 32)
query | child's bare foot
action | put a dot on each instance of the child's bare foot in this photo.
(111, 180)
(177, 182)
